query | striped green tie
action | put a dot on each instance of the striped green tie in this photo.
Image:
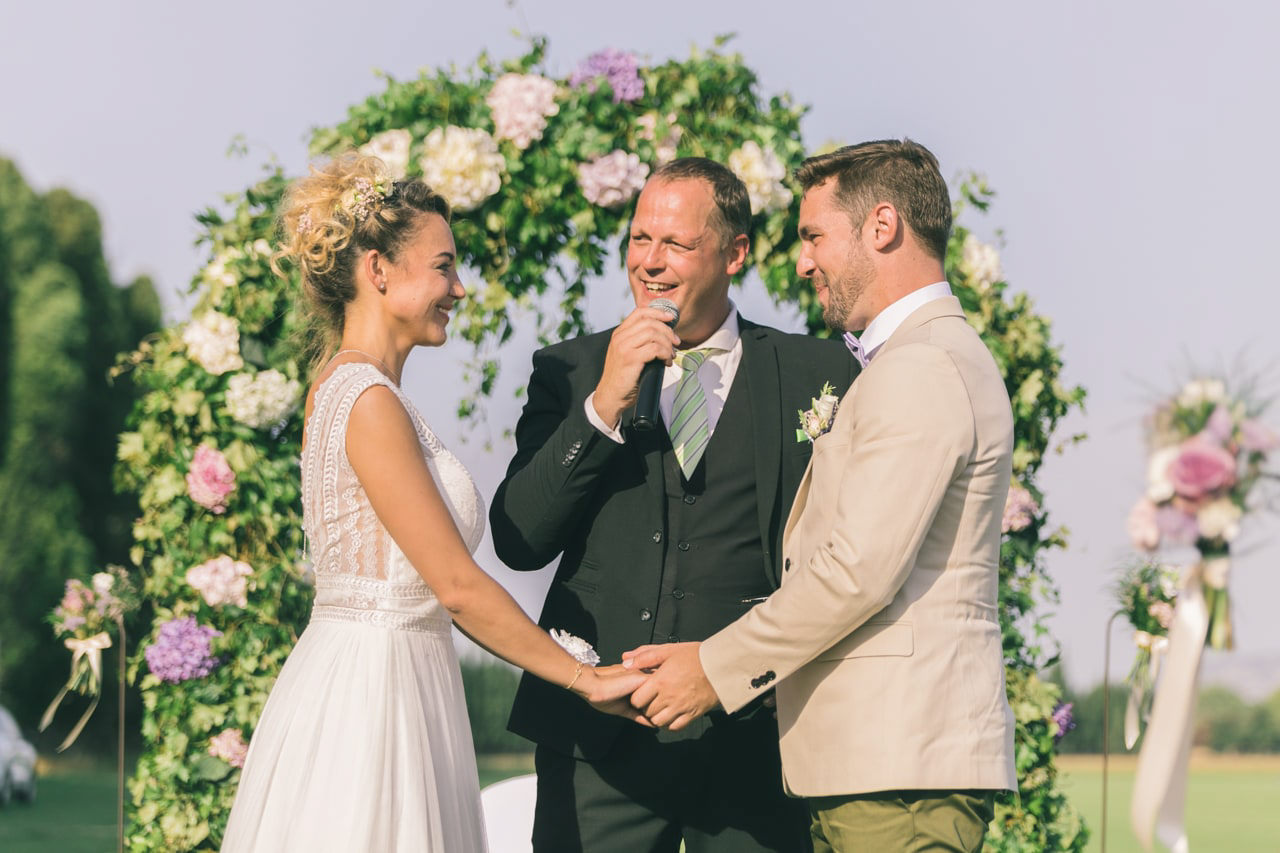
(689, 430)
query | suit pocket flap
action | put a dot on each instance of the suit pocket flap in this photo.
(874, 639)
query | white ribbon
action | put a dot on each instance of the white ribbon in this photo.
(1160, 789)
(90, 649)
(1141, 688)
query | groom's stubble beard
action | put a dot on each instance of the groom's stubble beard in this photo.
(845, 292)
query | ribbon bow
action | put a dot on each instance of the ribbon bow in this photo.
(86, 666)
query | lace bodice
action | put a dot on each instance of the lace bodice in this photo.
(361, 574)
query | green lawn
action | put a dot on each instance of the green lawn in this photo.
(74, 812)
(1233, 804)
(75, 808)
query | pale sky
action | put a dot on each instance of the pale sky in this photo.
(1132, 146)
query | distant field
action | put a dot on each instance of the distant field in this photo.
(1233, 802)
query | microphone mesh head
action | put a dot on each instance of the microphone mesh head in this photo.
(668, 306)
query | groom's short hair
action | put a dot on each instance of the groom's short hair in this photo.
(901, 172)
(732, 204)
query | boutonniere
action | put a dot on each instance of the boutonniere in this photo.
(817, 421)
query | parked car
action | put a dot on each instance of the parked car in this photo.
(17, 762)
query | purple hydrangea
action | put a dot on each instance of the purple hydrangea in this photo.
(617, 67)
(182, 651)
(1064, 718)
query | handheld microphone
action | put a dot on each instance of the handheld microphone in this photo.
(647, 412)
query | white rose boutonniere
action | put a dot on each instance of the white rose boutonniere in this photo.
(817, 421)
(580, 649)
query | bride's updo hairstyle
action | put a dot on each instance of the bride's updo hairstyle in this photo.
(329, 219)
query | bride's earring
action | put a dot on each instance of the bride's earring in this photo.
(382, 285)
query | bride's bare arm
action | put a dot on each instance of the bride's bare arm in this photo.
(383, 447)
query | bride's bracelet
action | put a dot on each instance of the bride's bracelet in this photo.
(577, 673)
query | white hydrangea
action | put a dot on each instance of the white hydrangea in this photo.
(664, 149)
(213, 342)
(392, 148)
(613, 179)
(762, 172)
(980, 262)
(1199, 391)
(1219, 519)
(1159, 486)
(263, 399)
(261, 248)
(221, 580)
(462, 164)
(217, 272)
(520, 104)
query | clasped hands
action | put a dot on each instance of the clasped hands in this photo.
(673, 693)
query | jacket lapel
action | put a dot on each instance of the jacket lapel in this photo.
(759, 367)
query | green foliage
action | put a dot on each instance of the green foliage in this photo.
(1039, 817)
(490, 686)
(536, 239)
(62, 321)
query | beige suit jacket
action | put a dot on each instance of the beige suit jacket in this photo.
(884, 640)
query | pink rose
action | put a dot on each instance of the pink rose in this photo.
(1201, 468)
(210, 479)
(1143, 530)
(73, 600)
(1177, 527)
(1162, 612)
(1257, 437)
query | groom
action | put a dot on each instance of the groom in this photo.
(666, 534)
(884, 640)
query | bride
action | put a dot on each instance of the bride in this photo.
(364, 743)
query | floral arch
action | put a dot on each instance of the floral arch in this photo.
(540, 172)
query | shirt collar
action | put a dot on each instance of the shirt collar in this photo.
(887, 321)
(725, 337)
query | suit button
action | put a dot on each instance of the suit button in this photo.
(683, 546)
(690, 500)
(786, 564)
(657, 536)
(645, 615)
(672, 638)
(677, 593)
(577, 445)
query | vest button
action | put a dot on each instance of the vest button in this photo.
(672, 638)
(645, 615)
(690, 500)
(657, 536)
(677, 593)
(683, 546)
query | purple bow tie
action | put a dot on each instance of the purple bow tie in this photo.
(855, 347)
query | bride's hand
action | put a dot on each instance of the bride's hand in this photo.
(609, 688)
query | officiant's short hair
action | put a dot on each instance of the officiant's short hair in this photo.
(733, 205)
(899, 171)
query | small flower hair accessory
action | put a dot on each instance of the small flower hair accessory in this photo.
(305, 222)
(367, 197)
(578, 648)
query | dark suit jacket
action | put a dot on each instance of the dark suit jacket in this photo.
(574, 491)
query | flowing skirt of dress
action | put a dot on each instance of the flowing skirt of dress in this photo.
(364, 745)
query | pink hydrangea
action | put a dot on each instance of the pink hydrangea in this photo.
(210, 479)
(617, 67)
(1257, 437)
(1201, 468)
(221, 581)
(613, 179)
(520, 104)
(1144, 532)
(229, 745)
(1020, 509)
(1177, 527)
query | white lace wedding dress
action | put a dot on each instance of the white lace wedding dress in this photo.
(364, 743)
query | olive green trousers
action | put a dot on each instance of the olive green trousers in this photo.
(908, 821)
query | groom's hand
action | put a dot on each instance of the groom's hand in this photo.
(608, 689)
(678, 692)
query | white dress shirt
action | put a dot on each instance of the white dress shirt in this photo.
(715, 375)
(887, 321)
